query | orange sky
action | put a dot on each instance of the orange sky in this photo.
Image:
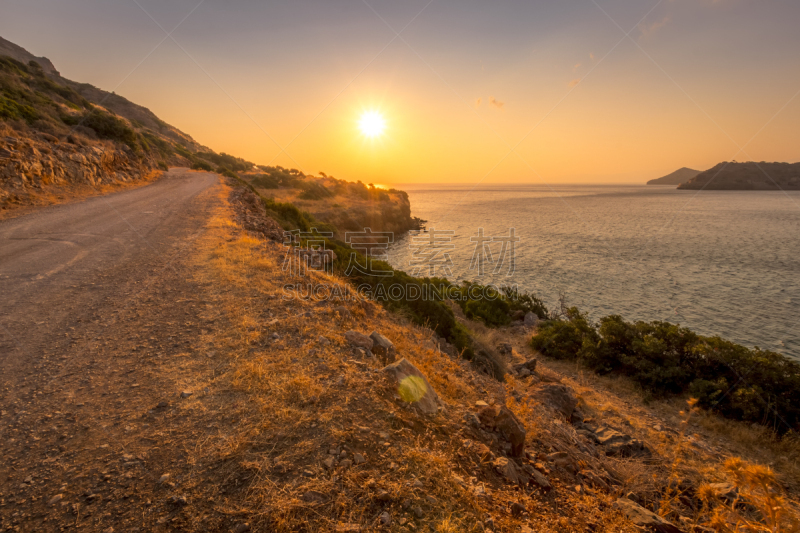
(498, 93)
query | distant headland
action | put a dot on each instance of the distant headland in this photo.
(749, 176)
(676, 178)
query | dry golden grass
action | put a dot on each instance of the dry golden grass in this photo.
(295, 399)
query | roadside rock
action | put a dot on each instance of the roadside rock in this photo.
(359, 340)
(529, 365)
(383, 348)
(413, 386)
(505, 348)
(643, 518)
(512, 430)
(617, 444)
(537, 478)
(557, 397)
(531, 320)
(510, 471)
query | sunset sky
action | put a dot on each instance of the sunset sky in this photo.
(514, 91)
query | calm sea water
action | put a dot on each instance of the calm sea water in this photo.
(721, 263)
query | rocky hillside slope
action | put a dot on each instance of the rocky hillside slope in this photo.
(675, 178)
(60, 137)
(749, 176)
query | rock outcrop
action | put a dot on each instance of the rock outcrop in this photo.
(413, 386)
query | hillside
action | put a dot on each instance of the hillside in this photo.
(340, 205)
(749, 176)
(675, 178)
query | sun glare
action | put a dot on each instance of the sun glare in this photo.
(372, 123)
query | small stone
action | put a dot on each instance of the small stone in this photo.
(323, 340)
(517, 509)
(163, 478)
(342, 310)
(329, 463)
(359, 459)
(347, 463)
(418, 512)
(178, 500)
(383, 348)
(275, 336)
(313, 496)
(383, 496)
(186, 394)
(358, 340)
(109, 529)
(386, 518)
(162, 405)
(55, 499)
(241, 528)
(28, 479)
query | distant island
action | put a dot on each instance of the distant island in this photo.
(676, 178)
(749, 176)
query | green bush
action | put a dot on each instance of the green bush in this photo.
(264, 181)
(108, 126)
(227, 172)
(199, 164)
(666, 360)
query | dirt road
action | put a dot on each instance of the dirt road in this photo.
(98, 315)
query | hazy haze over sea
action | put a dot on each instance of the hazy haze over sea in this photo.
(721, 263)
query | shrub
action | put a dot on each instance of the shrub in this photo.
(163, 165)
(199, 164)
(666, 359)
(108, 126)
(264, 181)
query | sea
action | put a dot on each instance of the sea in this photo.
(722, 263)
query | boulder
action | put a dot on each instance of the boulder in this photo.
(510, 471)
(358, 340)
(413, 386)
(383, 348)
(531, 319)
(557, 397)
(486, 413)
(643, 518)
(617, 444)
(537, 479)
(505, 348)
(512, 430)
(529, 365)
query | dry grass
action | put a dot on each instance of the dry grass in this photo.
(293, 400)
(297, 400)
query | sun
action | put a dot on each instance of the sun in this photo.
(371, 123)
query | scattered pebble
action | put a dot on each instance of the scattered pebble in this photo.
(359, 459)
(386, 518)
(55, 499)
(186, 394)
(163, 478)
